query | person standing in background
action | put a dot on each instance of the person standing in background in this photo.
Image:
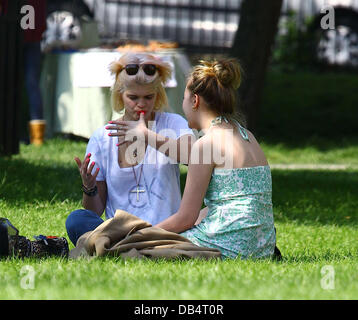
(32, 66)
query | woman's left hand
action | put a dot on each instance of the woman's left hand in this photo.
(128, 130)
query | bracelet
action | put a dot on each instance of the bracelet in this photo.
(90, 192)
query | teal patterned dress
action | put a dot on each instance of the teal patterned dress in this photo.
(240, 217)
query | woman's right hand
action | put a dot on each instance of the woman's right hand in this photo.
(88, 179)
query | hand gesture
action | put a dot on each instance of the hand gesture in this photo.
(127, 130)
(88, 179)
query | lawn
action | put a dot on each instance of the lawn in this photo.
(315, 216)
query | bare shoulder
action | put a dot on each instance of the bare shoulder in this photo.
(202, 141)
(252, 139)
(199, 151)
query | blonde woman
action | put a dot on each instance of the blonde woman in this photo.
(236, 186)
(132, 163)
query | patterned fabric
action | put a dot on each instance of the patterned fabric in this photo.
(240, 217)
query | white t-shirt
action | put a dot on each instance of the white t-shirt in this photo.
(159, 184)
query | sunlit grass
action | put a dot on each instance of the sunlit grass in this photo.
(315, 216)
(313, 152)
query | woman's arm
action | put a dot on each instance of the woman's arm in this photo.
(197, 182)
(203, 213)
(176, 149)
(96, 203)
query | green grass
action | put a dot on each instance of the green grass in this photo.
(313, 151)
(315, 216)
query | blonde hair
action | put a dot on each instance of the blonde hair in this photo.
(123, 80)
(217, 82)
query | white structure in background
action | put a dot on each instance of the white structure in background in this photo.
(200, 23)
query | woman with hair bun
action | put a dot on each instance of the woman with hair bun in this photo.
(132, 163)
(227, 169)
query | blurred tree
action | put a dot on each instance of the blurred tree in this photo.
(10, 75)
(252, 46)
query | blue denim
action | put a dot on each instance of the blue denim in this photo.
(32, 57)
(81, 221)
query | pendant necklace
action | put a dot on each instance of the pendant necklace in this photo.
(138, 191)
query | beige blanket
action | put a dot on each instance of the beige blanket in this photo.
(126, 235)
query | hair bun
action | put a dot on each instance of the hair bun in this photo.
(228, 73)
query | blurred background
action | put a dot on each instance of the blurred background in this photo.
(300, 62)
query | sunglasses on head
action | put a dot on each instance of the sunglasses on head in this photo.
(132, 69)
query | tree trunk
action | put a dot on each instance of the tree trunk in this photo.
(252, 46)
(10, 76)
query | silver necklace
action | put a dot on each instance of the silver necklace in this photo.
(138, 191)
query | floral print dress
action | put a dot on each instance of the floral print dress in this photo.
(240, 217)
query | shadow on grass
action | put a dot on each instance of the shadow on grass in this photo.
(23, 181)
(315, 197)
(302, 196)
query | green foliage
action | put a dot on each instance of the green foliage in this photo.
(305, 107)
(293, 47)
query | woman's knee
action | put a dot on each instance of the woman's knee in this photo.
(74, 218)
(79, 222)
(82, 219)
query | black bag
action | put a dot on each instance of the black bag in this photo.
(12, 244)
(8, 233)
